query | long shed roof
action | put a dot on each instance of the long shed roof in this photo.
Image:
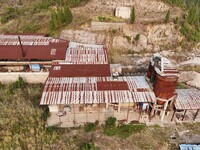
(187, 99)
(78, 53)
(82, 90)
(34, 47)
(79, 70)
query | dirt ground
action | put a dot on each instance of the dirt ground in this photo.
(151, 138)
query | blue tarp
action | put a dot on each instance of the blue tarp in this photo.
(189, 147)
(34, 67)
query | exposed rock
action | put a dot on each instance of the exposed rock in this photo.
(163, 34)
(83, 36)
(192, 78)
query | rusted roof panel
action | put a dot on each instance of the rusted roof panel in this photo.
(80, 90)
(35, 47)
(79, 70)
(78, 53)
(112, 85)
(187, 99)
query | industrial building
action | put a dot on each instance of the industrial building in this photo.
(83, 89)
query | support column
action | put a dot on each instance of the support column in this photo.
(196, 114)
(119, 106)
(107, 106)
(74, 121)
(163, 113)
(152, 111)
(173, 115)
(184, 115)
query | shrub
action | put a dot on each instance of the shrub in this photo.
(30, 28)
(132, 15)
(63, 16)
(1, 85)
(137, 37)
(101, 18)
(125, 130)
(45, 114)
(89, 127)
(111, 122)
(167, 17)
(10, 13)
(19, 84)
(88, 146)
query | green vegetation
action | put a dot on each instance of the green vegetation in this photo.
(22, 124)
(167, 17)
(181, 86)
(46, 4)
(133, 15)
(10, 13)
(88, 146)
(89, 127)
(50, 16)
(62, 16)
(190, 25)
(122, 131)
(137, 37)
(190, 68)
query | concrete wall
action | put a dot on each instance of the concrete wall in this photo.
(100, 26)
(123, 12)
(29, 77)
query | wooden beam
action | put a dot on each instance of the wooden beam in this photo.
(173, 115)
(152, 111)
(184, 115)
(163, 113)
(196, 114)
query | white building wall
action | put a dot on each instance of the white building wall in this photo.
(123, 12)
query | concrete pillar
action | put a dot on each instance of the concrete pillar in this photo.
(107, 104)
(119, 106)
(163, 112)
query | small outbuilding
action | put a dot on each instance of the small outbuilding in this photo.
(123, 12)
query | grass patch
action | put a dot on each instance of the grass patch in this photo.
(181, 86)
(89, 127)
(123, 131)
(108, 19)
(189, 68)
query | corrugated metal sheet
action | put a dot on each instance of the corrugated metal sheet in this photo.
(35, 47)
(189, 147)
(187, 99)
(85, 90)
(112, 85)
(78, 53)
(79, 70)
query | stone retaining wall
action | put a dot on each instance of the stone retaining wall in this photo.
(101, 26)
(29, 77)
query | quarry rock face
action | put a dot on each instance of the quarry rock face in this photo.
(192, 78)
(163, 34)
(82, 36)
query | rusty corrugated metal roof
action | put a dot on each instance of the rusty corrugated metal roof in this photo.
(187, 99)
(112, 85)
(79, 70)
(78, 53)
(85, 90)
(35, 47)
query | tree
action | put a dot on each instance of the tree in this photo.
(167, 17)
(67, 15)
(132, 15)
(63, 16)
